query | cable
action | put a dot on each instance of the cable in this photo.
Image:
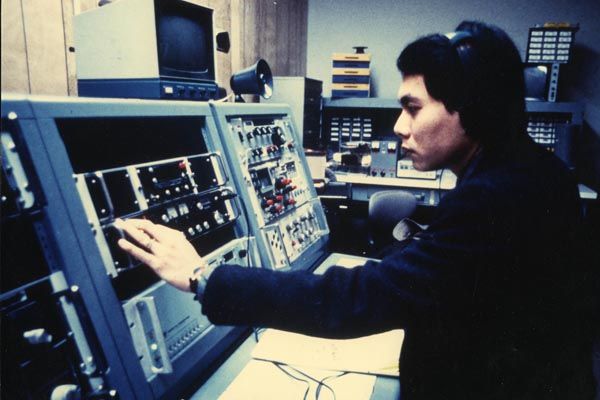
(257, 332)
(279, 365)
(320, 383)
(224, 99)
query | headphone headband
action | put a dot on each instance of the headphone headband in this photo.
(457, 37)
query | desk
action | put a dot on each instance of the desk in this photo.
(386, 388)
(428, 192)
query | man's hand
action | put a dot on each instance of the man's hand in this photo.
(165, 250)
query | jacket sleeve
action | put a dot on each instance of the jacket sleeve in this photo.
(433, 277)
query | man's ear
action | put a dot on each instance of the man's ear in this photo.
(457, 117)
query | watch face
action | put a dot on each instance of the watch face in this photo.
(194, 285)
(197, 285)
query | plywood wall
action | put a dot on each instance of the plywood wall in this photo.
(37, 40)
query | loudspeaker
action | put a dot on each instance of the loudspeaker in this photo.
(223, 42)
(256, 79)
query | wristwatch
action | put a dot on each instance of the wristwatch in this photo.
(198, 284)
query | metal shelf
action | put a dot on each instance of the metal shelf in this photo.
(356, 102)
(575, 109)
(531, 106)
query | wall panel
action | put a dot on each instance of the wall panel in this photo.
(68, 12)
(15, 73)
(44, 30)
(283, 33)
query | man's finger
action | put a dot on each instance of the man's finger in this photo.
(169, 231)
(138, 253)
(135, 233)
(158, 232)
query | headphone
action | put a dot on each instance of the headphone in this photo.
(457, 41)
(462, 43)
(477, 111)
(457, 37)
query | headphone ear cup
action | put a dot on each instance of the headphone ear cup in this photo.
(462, 43)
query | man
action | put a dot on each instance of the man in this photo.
(487, 295)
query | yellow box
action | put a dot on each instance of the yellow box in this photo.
(351, 57)
(351, 71)
(350, 86)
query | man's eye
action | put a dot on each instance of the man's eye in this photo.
(412, 110)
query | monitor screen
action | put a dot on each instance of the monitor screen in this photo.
(185, 40)
(536, 82)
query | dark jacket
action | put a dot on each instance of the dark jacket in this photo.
(490, 295)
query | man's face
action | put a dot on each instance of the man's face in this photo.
(431, 136)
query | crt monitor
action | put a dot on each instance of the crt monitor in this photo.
(185, 40)
(146, 49)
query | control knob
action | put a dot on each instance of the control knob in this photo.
(277, 137)
(281, 183)
(276, 208)
(288, 189)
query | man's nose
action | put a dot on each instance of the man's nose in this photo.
(402, 126)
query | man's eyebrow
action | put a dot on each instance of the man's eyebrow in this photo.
(407, 98)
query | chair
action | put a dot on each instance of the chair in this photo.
(386, 209)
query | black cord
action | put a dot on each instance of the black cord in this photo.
(257, 331)
(280, 366)
(320, 383)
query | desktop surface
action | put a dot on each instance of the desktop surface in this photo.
(386, 387)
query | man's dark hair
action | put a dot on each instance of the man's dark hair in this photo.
(480, 76)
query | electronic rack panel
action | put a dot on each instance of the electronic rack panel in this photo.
(48, 344)
(103, 321)
(273, 179)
